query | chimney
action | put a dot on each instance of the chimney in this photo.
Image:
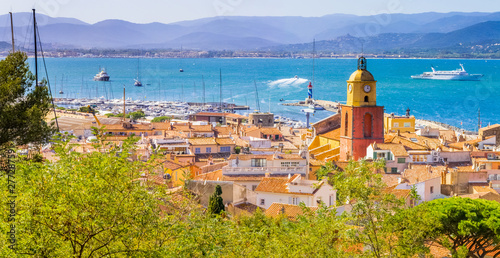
(399, 133)
(189, 125)
(429, 168)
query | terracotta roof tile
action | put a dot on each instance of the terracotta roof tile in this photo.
(334, 134)
(396, 149)
(202, 141)
(224, 141)
(270, 131)
(210, 176)
(421, 173)
(277, 185)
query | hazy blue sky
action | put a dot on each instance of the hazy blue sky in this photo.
(144, 11)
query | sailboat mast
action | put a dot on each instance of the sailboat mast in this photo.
(256, 95)
(314, 55)
(203, 82)
(36, 57)
(12, 32)
(220, 88)
(123, 102)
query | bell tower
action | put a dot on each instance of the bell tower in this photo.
(362, 119)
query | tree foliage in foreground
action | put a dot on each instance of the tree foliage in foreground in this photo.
(23, 106)
(215, 203)
(462, 225)
(91, 205)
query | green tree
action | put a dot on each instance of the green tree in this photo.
(360, 187)
(161, 119)
(86, 205)
(137, 115)
(458, 224)
(23, 106)
(324, 170)
(215, 203)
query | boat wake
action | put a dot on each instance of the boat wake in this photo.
(290, 82)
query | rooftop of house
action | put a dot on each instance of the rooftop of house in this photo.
(224, 130)
(202, 141)
(334, 134)
(421, 173)
(270, 131)
(490, 127)
(282, 185)
(399, 193)
(192, 128)
(396, 148)
(460, 145)
(224, 141)
(266, 156)
(485, 196)
(288, 210)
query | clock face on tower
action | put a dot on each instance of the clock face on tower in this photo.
(349, 87)
(367, 88)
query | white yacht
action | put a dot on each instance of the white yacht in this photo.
(456, 75)
(102, 76)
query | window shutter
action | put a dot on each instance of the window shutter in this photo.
(289, 200)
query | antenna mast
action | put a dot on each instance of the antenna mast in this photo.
(203, 82)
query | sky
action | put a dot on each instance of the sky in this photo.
(167, 11)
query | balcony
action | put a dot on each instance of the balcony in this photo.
(263, 170)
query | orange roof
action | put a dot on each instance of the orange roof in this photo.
(399, 193)
(161, 126)
(486, 196)
(211, 176)
(194, 128)
(421, 173)
(483, 189)
(224, 141)
(396, 149)
(168, 164)
(277, 185)
(287, 156)
(460, 145)
(289, 210)
(334, 134)
(270, 131)
(202, 141)
(490, 127)
(224, 130)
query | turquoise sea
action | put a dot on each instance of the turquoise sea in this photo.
(451, 102)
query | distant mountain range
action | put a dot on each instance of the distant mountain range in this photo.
(336, 32)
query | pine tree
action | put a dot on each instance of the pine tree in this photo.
(216, 204)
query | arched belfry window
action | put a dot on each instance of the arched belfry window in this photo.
(366, 99)
(346, 124)
(368, 125)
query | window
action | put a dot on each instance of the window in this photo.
(295, 200)
(258, 162)
(394, 170)
(225, 149)
(380, 155)
(262, 202)
(331, 200)
(346, 125)
(407, 124)
(197, 151)
(290, 164)
(209, 149)
(366, 98)
(396, 125)
(401, 160)
(368, 125)
(432, 189)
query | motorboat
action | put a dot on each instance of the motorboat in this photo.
(137, 83)
(102, 76)
(456, 75)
